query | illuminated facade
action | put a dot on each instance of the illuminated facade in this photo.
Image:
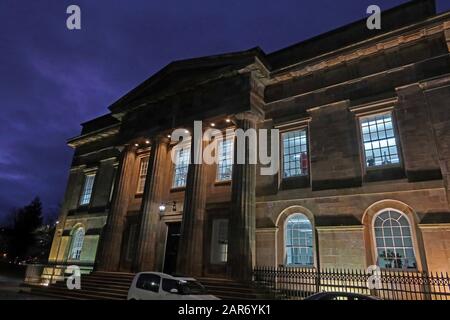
(364, 120)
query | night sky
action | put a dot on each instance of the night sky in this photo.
(52, 79)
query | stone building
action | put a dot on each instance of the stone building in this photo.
(364, 122)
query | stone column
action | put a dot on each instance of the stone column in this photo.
(241, 230)
(150, 219)
(109, 257)
(190, 250)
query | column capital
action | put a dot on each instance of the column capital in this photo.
(159, 138)
(246, 116)
(127, 147)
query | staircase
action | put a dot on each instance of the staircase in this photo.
(114, 286)
(95, 286)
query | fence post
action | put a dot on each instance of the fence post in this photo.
(318, 280)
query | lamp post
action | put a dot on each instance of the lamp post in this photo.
(162, 207)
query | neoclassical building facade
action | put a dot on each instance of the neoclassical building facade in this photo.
(364, 143)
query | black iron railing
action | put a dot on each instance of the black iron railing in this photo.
(298, 283)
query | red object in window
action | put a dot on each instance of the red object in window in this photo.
(304, 162)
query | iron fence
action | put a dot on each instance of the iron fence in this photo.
(298, 283)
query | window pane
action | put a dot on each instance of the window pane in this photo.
(77, 244)
(393, 241)
(169, 284)
(182, 159)
(87, 189)
(131, 243)
(219, 241)
(149, 282)
(295, 154)
(225, 159)
(143, 167)
(298, 241)
(379, 140)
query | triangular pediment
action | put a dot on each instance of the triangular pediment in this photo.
(180, 75)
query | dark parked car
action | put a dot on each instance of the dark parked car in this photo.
(340, 296)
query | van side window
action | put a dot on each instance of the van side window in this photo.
(169, 284)
(149, 282)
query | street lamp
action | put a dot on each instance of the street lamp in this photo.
(162, 207)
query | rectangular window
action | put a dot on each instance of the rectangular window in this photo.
(224, 159)
(380, 147)
(131, 245)
(142, 174)
(219, 241)
(85, 198)
(295, 153)
(180, 168)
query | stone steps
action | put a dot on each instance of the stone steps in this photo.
(95, 286)
(115, 285)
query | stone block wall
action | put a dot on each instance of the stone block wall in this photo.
(341, 247)
(436, 241)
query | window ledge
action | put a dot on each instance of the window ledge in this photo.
(295, 182)
(398, 269)
(221, 183)
(384, 173)
(385, 166)
(177, 189)
(296, 266)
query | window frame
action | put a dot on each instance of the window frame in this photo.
(413, 240)
(85, 175)
(285, 251)
(221, 140)
(76, 241)
(131, 245)
(359, 118)
(144, 275)
(140, 175)
(215, 235)
(187, 145)
(164, 286)
(288, 130)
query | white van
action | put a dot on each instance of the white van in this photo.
(161, 286)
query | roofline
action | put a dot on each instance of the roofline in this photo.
(256, 51)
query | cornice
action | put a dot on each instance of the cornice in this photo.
(366, 48)
(94, 136)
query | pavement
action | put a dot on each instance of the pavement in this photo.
(11, 289)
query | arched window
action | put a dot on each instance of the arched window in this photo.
(298, 241)
(393, 239)
(77, 243)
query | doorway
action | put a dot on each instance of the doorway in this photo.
(173, 238)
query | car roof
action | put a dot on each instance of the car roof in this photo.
(185, 278)
(166, 276)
